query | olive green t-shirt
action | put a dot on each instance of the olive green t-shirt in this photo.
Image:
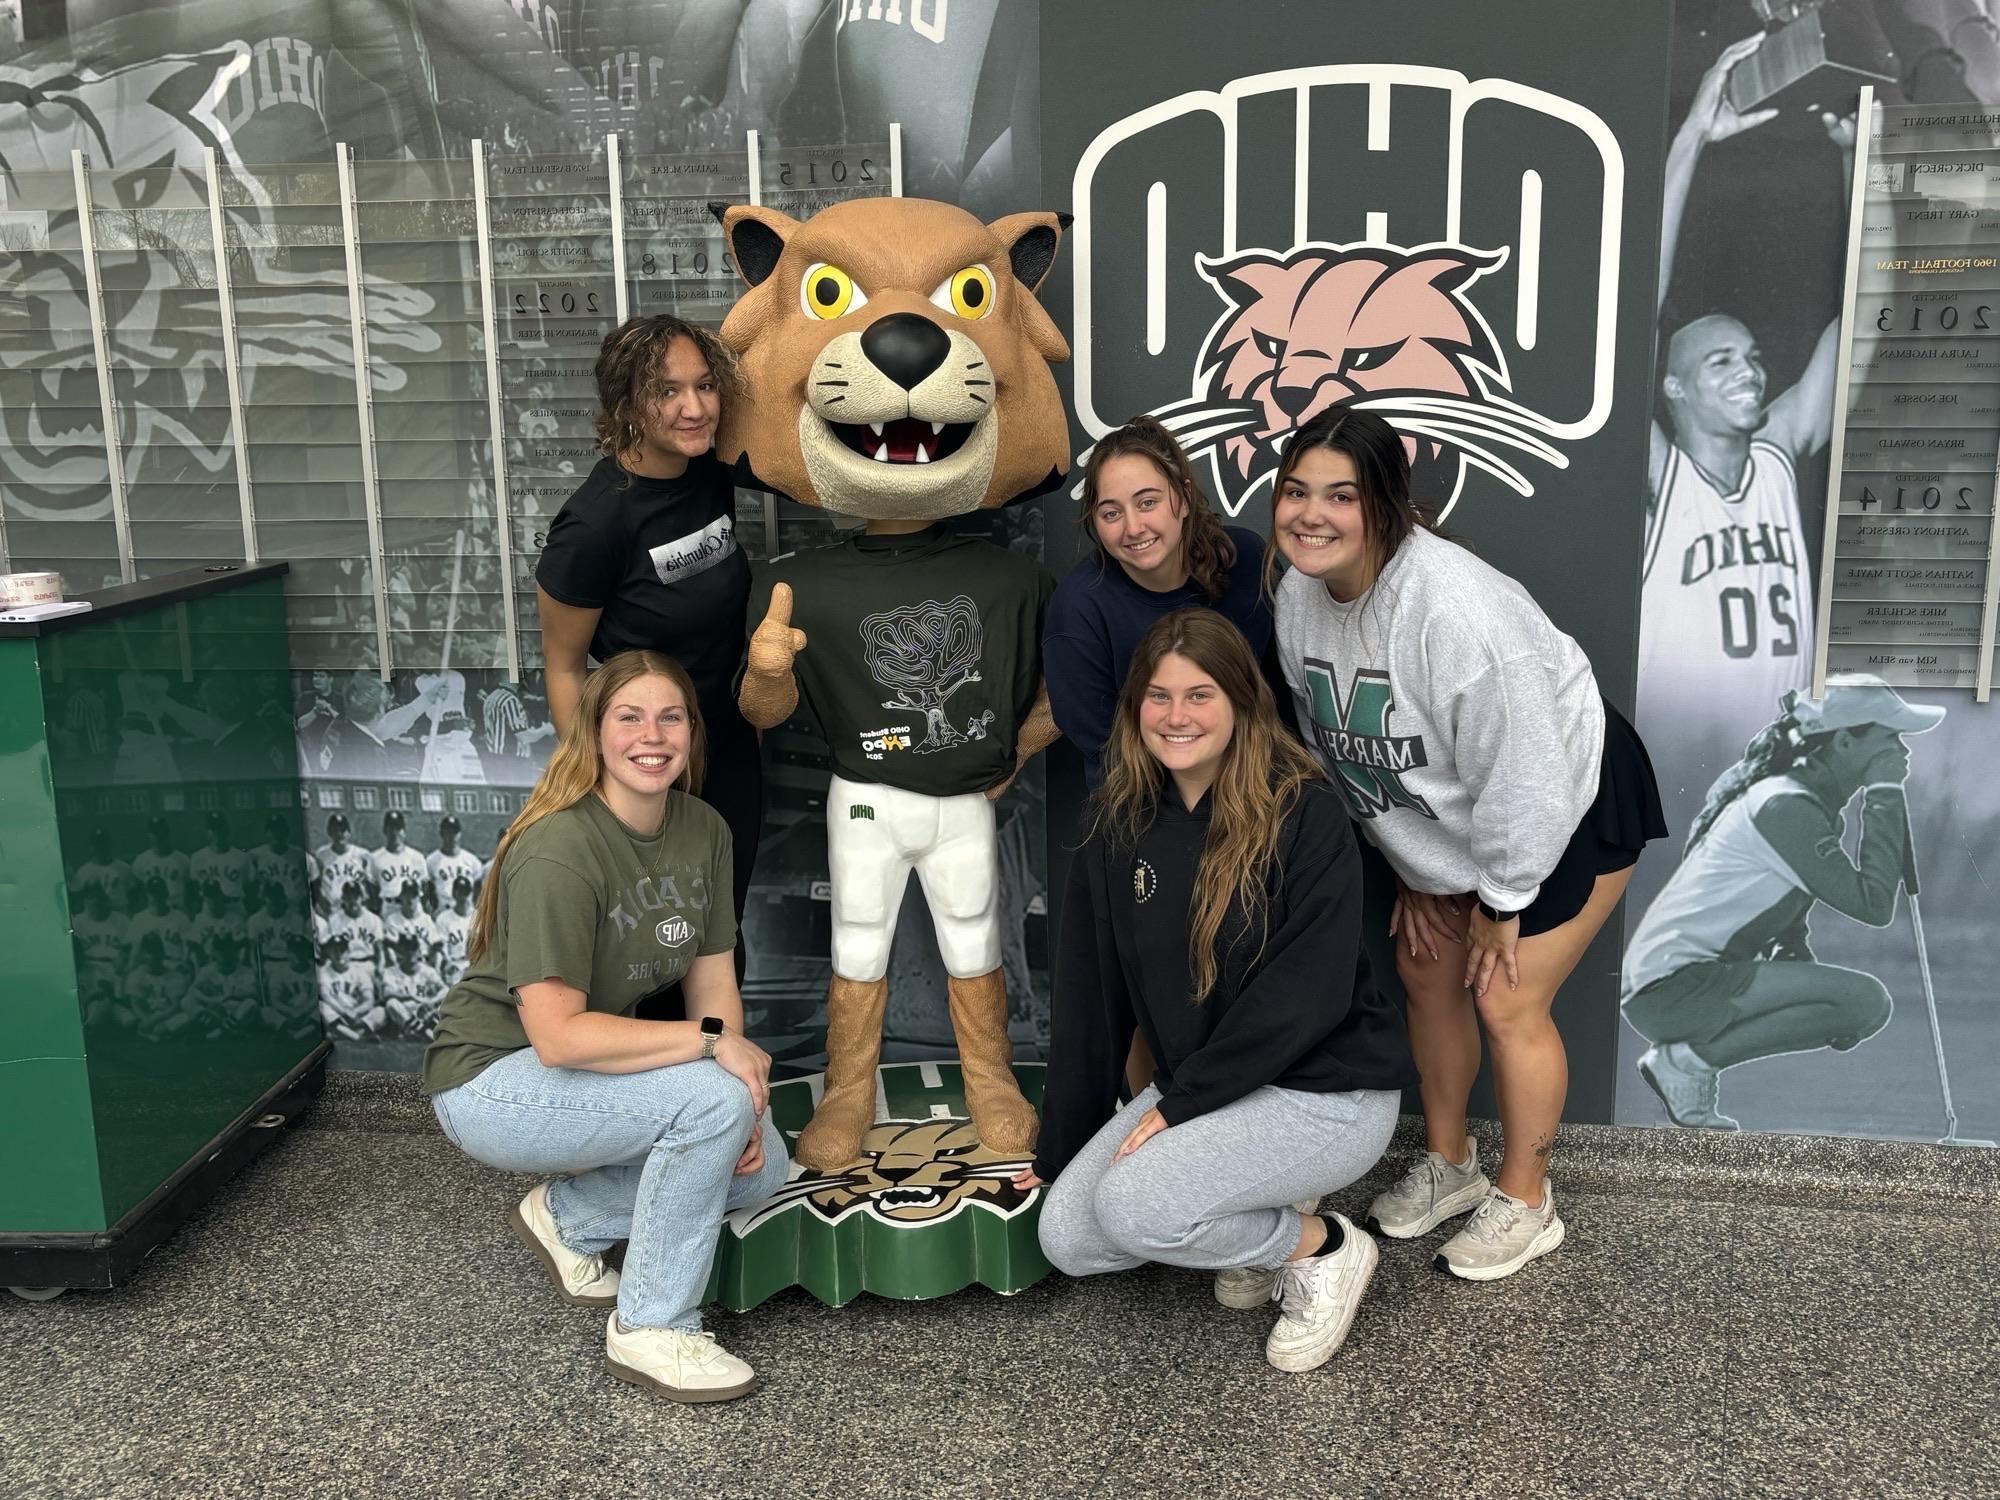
(586, 900)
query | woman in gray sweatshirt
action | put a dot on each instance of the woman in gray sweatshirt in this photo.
(1472, 746)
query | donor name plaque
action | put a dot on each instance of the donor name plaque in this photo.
(1907, 565)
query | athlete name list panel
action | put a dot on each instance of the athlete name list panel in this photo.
(410, 347)
(1911, 556)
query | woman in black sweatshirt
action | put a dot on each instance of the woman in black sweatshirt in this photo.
(1216, 907)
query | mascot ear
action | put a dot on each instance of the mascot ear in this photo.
(1032, 241)
(756, 237)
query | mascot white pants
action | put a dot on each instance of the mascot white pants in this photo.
(875, 836)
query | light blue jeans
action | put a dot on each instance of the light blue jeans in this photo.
(1216, 1191)
(649, 1158)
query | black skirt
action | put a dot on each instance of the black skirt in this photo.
(1617, 826)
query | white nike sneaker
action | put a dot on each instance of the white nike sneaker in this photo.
(1245, 1287)
(580, 1280)
(680, 1364)
(1429, 1193)
(1686, 1084)
(1502, 1236)
(1320, 1296)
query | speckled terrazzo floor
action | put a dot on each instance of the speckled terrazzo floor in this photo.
(1753, 1317)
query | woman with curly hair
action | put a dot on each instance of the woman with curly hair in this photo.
(1215, 908)
(1720, 970)
(644, 555)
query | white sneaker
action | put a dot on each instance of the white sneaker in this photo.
(682, 1365)
(1320, 1296)
(1429, 1193)
(1503, 1236)
(1245, 1287)
(580, 1280)
(1686, 1084)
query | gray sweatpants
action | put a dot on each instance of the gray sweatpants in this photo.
(1213, 1192)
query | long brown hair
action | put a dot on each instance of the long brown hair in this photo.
(577, 765)
(628, 372)
(1382, 468)
(1263, 773)
(1205, 546)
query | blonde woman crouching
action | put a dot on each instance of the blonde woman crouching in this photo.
(612, 885)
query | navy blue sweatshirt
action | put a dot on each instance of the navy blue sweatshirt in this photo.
(1302, 1014)
(1094, 624)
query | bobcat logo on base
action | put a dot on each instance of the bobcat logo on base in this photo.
(910, 1172)
(1377, 327)
(922, 1208)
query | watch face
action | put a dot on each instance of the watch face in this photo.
(711, 1026)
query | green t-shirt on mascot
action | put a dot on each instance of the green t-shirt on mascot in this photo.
(895, 367)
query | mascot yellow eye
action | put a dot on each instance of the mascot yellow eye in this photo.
(829, 292)
(969, 293)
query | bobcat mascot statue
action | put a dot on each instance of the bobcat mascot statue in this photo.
(895, 367)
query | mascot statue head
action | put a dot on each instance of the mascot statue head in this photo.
(894, 360)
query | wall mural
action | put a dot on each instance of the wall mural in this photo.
(1480, 276)
(1776, 976)
(1428, 217)
(420, 715)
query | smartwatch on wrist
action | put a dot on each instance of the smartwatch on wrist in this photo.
(1493, 915)
(711, 1033)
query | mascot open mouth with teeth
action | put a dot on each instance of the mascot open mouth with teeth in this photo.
(895, 367)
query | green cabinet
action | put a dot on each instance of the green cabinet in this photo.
(160, 999)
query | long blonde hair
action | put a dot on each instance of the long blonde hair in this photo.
(577, 765)
(1264, 770)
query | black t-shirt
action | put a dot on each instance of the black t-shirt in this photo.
(659, 558)
(922, 654)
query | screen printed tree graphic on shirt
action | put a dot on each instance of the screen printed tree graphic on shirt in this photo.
(923, 653)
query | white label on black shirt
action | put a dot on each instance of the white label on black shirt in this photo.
(696, 552)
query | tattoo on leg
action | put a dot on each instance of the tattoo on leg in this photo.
(1545, 1146)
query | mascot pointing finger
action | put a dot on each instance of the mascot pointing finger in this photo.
(896, 368)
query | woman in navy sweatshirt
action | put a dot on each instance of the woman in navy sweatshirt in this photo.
(1155, 547)
(1216, 908)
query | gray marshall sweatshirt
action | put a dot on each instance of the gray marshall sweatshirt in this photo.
(1463, 728)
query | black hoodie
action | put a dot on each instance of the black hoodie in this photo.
(1301, 1014)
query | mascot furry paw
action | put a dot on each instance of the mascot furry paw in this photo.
(895, 367)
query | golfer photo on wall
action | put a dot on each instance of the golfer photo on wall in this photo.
(1720, 970)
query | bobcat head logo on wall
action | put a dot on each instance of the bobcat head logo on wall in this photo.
(1440, 249)
(1377, 327)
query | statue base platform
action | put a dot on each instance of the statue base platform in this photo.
(926, 1209)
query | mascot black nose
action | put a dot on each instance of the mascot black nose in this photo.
(906, 347)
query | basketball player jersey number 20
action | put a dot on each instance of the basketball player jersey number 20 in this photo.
(1727, 607)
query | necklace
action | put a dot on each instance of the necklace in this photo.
(652, 873)
(635, 838)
